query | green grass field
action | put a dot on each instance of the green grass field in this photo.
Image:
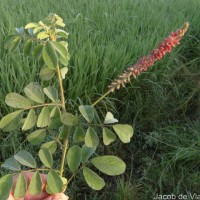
(163, 104)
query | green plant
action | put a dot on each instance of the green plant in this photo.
(76, 133)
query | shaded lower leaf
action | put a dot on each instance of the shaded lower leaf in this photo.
(44, 118)
(51, 92)
(74, 158)
(11, 121)
(108, 136)
(87, 153)
(30, 120)
(91, 138)
(55, 118)
(79, 134)
(46, 73)
(35, 186)
(46, 157)
(51, 146)
(25, 158)
(11, 164)
(93, 179)
(6, 183)
(87, 112)
(37, 136)
(37, 52)
(54, 183)
(28, 46)
(20, 188)
(69, 119)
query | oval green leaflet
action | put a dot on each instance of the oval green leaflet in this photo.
(11, 121)
(17, 101)
(110, 165)
(93, 179)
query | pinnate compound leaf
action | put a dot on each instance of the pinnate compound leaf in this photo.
(109, 119)
(63, 72)
(62, 132)
(74, 158)
(25, 158)
(46, 74)
(51, 92)
(49, 55)
(34, 92)
(11, 164)
(108, 136)
(69, 119)
(35, 186)
(6, 183)
(54, 183)
(17, 101)
(87, 153)
(37, 136)
(44, 117)
(55, 118)
(124, 131)
(91, 138)
(29, 121)
(20, 188)
(51, 146)
(46, 157)
(11, 121)
(87, 112)
(93, 179)
(79, 134)
(110, 165)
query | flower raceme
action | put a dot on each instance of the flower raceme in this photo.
(145, 62)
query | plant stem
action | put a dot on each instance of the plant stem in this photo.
(42, 105)
(61, 88)
(66, 140)
(99, 99)
(73, 175)
(64, 152)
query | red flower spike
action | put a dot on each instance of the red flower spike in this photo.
(147, 61)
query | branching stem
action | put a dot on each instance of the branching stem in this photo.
(42, 105)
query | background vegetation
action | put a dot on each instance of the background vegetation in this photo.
(163, 104)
